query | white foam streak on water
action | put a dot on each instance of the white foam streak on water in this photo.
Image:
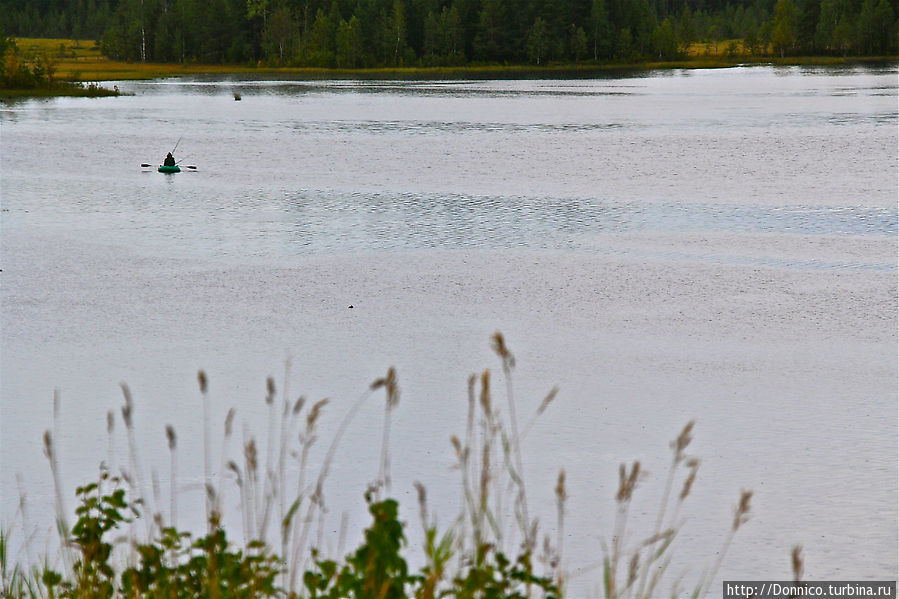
(717, 245)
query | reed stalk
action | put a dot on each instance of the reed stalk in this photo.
(223, 466)
(172, 440)
(467, 465)
(207, 439)
(306, 439)
(62, 525)
(393, 398)
(561, 498)
(286, 517)
(286, 421)
(508, 363)
(270, 489)
(741, 516)
(251, 471)
(110, 436)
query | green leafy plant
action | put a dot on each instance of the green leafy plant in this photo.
(101, 510)
(176, 567)
(172, 566)
(376, 570)
(494, 576)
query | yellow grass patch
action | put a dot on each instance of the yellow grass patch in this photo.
(81, 60)
(721, 48)
(61, 49)
(70, 57)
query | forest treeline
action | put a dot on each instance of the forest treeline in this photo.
(397, 33)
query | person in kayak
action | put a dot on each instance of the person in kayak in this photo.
(169, 160)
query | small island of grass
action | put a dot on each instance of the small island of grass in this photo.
(36, 77)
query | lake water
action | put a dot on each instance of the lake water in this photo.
(712, 245)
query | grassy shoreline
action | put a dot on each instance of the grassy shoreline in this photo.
(113, 71)
(66, 90)
(81, 61)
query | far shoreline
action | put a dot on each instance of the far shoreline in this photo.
(79, 69)
(66, 90)
(119, 71)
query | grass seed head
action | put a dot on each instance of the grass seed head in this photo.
(561, 494)
(48, 444)
(128, 408)
(457, 446)
(499, 346)
(422, 503)
(485, 393)
(270, 390)
(229, 422)
(232, 466)
(393, 390)
(797, 563)
(682, 441)
(314, 413)
(250, 454)
(693, 465)
(627, 482)
(170, 435)
(389, 381)
(741, 514)
(422, 493)
(547, 400)
(201, 378)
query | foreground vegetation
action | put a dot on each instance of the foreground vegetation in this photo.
(125, 541)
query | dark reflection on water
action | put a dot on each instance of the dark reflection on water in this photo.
(599, 83)
(420, 127)
(406, 88)
(413, 221)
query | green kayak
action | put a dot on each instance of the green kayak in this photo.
(169, 169)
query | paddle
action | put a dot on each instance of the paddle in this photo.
(191, 167)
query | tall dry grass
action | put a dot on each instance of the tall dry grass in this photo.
(494, 538)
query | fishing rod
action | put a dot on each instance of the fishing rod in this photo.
(185, 166)
(176, 145)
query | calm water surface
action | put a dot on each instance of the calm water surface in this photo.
(710, 245)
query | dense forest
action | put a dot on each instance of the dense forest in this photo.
(395, 33)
